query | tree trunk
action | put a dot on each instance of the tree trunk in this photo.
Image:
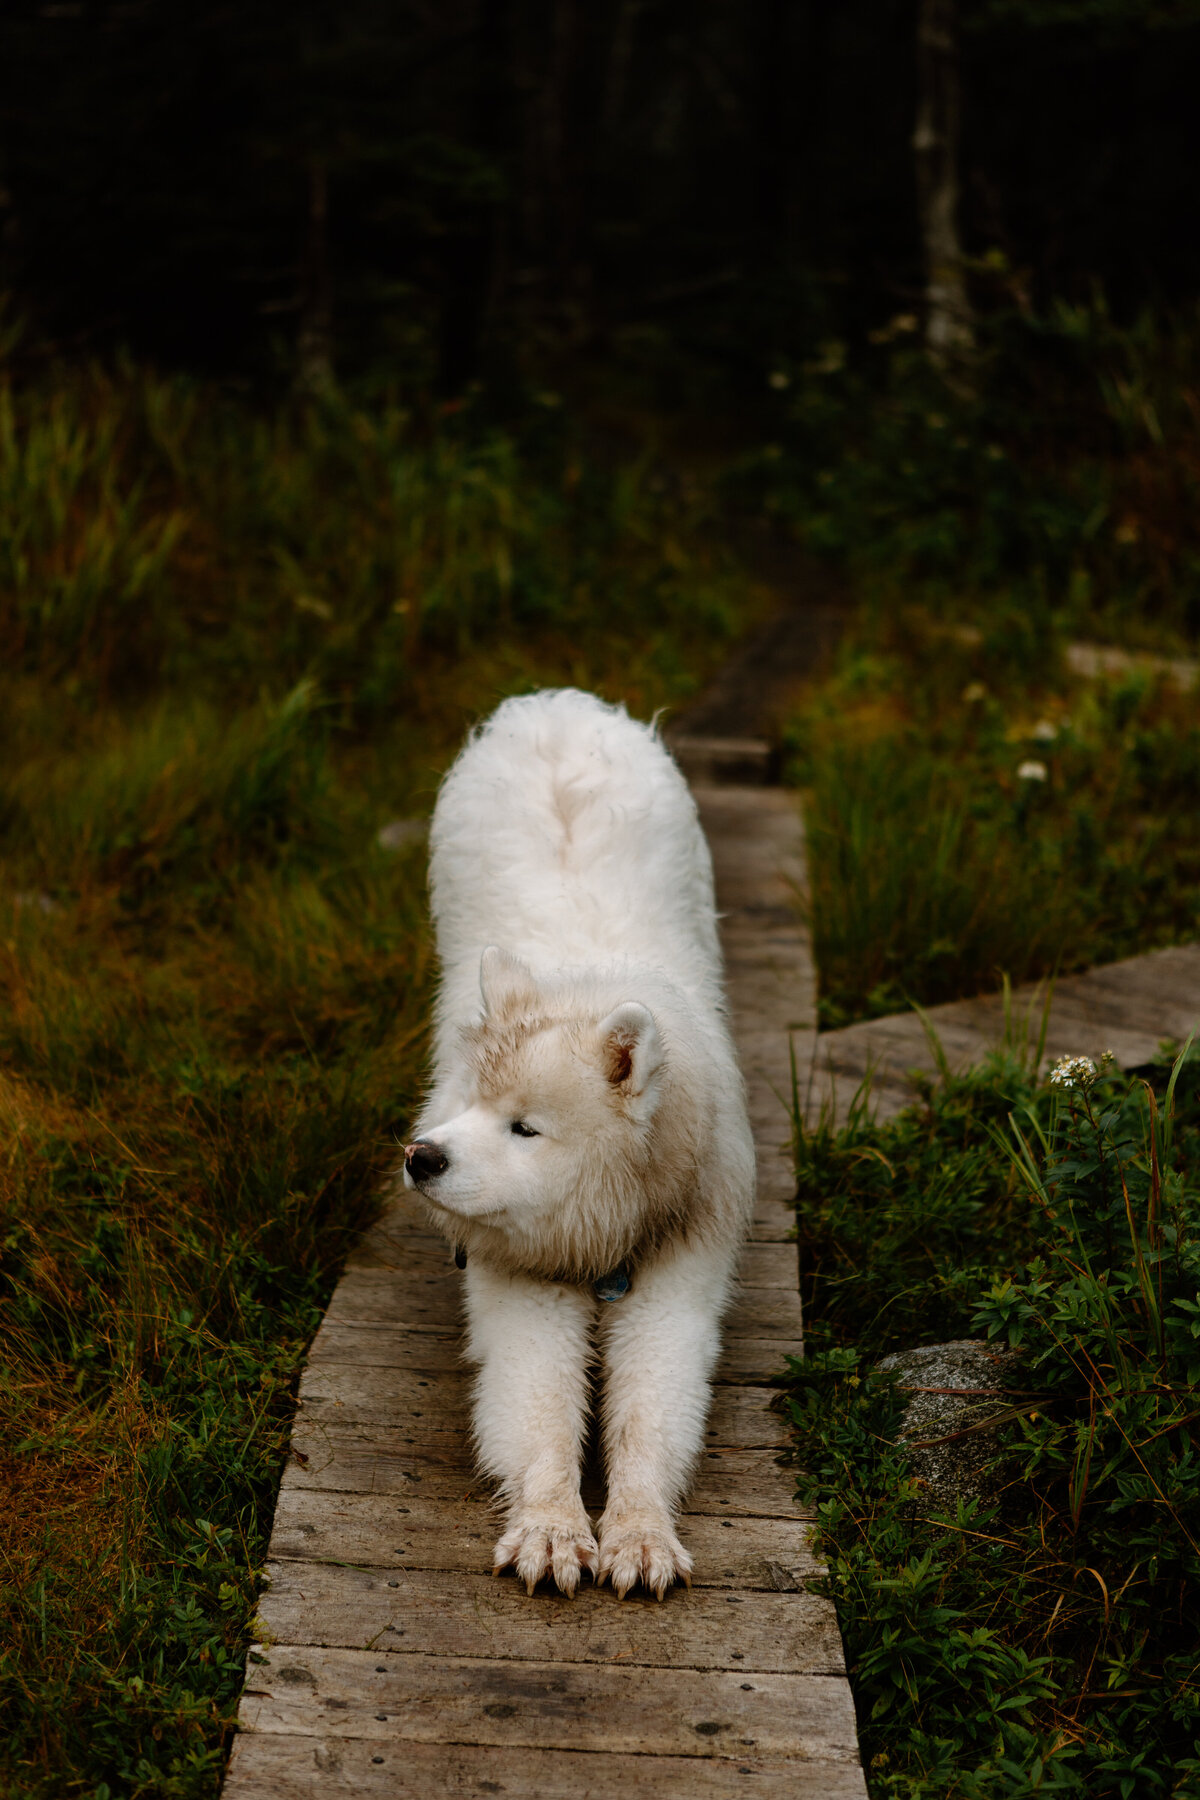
(314, 339)
(474, 250)
(949, 330)
(558, 147)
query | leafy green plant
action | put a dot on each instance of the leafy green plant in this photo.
(1041, 1641)
(1063, 480)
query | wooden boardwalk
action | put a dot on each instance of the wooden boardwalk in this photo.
(394, 1663)
(1127, 1007)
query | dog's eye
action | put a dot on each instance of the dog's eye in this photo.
(520, 1129)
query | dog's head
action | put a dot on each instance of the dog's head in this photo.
(555, 1129)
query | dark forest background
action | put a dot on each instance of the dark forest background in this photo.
(434, 191)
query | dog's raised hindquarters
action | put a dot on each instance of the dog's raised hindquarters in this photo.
(586, 1134)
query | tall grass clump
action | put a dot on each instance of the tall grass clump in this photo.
(197, 1117)
(153, 529)
(1040, 1638)
(973, 812)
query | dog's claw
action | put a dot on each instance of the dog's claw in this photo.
(649, 1553)
(540, 1545)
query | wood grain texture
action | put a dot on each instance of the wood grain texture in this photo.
(484, 1616)
(317, 1692)
(377, 1530)
(434, 1408)
(270, 1766)
(331, 1455)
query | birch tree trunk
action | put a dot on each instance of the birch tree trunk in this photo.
(314, 339)
(949, 330)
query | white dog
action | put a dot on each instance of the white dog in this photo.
(586, 1144)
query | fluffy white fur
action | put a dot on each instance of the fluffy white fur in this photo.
(581, 999)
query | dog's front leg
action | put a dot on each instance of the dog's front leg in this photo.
(660, 1345)
(532, 1341)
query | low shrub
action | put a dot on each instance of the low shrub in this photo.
(1041, 1641)
(1061, 475)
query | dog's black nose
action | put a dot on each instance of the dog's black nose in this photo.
(424, 1160)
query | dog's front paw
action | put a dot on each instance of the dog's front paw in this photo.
(539, 1542)
(634, 1549)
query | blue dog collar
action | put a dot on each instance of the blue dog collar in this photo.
(615, 1285)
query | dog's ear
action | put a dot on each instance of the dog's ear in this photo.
(633, 1056)
(505, 982)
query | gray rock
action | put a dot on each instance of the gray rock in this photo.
(951, 1443)
(400, 833)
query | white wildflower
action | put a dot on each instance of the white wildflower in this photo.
(1032, 771)
(1044, 732)
(973, 692)
(1073, 1072)
(779, 379)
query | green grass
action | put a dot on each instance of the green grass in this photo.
(936, 867)
(238, 644)
(1042, 1642)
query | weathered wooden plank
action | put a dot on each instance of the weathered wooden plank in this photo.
(333, 1456)
(747, 1417)
(749, 1482)
(377, 1297)
(316, 1692)
(429, 1406)
(403, 1219)
(393, 1247)
(486, 1616)
(742, 1359)
(388, 1249)
(376, 1531)
(755, 1361)
(1128, 1007)
(386, 1347)
(764, 1312)
(355, 1458)
(775, 1224)
(433, 1409)
(270, 1766)
(770, 1265)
